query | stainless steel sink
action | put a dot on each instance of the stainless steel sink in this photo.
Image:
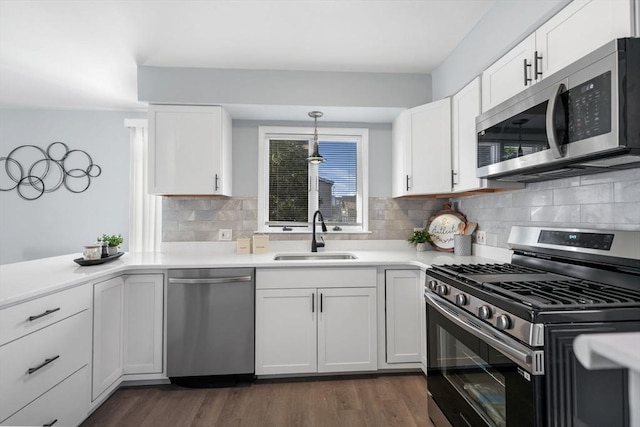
(313, 256)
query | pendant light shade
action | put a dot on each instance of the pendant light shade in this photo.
(315, 157)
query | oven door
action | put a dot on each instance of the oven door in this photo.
(478, 377)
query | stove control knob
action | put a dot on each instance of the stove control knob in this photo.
(461, 299)
(503, 322)
(484, 312)
(443, 290)
(433, 285)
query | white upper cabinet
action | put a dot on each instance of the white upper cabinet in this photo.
(465, 108)
(189, 150)
(421, 150)
(581, 27)
(509, 75)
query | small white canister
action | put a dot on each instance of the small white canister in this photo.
(92, 252)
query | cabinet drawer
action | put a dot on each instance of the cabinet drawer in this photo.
(69, 340)
(66, 404)
(14, 320)
(283, 278)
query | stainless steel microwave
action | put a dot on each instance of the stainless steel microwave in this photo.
(582, 119)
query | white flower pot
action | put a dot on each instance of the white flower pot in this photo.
(421, 247)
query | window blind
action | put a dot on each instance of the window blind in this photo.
(288, 181)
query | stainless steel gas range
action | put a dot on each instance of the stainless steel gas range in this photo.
(500, 336)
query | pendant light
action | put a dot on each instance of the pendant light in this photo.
(315, 157)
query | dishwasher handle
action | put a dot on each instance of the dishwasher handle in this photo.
(210, 281)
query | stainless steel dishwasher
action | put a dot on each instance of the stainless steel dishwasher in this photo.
(210, 323)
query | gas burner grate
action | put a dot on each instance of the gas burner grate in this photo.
(470, 269)
(573, 293)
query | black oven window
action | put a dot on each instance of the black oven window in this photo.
(473, 377)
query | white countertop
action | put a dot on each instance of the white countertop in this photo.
(30, 279)
(609, 350)
(614, 351)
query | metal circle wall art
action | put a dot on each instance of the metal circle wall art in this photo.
(32, 171)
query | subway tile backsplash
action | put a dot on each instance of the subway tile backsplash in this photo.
(608, 200)
(200, 218)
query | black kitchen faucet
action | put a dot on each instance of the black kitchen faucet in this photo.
(315, 245)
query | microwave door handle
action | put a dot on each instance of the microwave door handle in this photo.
(523, 359)
(558, 151)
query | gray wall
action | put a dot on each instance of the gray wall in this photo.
(175, 85)
(505, 25)
(62, 222)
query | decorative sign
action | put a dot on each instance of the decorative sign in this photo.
(443, 226)
(32, 171)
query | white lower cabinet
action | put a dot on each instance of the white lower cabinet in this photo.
(61, 406)
(286, 337)
(347, 334)
(43, 355)
(107, 334)
(143, 309)
(313, 329)
(127, 329)
(403, 292)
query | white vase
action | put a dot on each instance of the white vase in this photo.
(421, 247)
(112, 250)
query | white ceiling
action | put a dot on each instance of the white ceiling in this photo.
(83, 54)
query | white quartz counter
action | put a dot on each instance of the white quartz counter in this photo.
(614, 351)
(30, 279)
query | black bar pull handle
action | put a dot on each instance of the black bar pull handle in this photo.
(42, 365)
(320, 303)
(407, 182)
(217, 183)
(537, 71)
(50, 423)
(313, 302)
(527, 79)
(46, 313)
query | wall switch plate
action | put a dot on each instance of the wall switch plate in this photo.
(481, 237)
(224, 235)
(417, 229)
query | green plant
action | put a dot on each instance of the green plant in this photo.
(420, 236)
(112, 240)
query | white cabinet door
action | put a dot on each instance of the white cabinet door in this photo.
(508, 75)
(431, 148)
(580, 28)
(403, 291)
(421, 145)
(401, 154)
(286, 339)
(189, 150)
(465, 108)
(143, 308)
(107, 334)
(347, 332)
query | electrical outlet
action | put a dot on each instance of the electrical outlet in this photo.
(224, 235)
(481, 237)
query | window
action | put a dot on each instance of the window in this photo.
(291, 189)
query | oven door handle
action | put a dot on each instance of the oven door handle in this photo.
(515, 351)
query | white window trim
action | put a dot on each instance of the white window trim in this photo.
(326, 134)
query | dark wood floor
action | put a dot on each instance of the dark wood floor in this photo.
(385, 400)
